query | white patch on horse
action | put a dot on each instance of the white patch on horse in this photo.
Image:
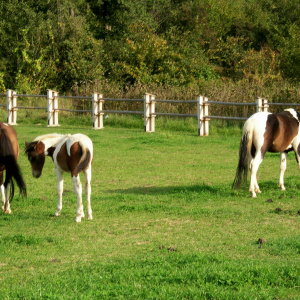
(59, 145)
(289, 147)
(256, 124)
(83, 140)
(293, 113)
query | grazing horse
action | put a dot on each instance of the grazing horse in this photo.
(70, 153)
(278, 132)
(9, 152)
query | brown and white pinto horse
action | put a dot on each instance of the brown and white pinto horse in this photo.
(70, 153)
(278, 132)
(9, 152)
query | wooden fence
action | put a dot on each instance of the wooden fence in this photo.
(148, 112)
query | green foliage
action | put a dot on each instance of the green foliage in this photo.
(51, 47)
(64, 45)
(2, 87)
(290, 53)
(79, 55)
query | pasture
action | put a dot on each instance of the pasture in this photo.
(167, 224)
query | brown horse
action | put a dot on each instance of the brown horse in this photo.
(264, 132)
(70, 153)
(9, 152)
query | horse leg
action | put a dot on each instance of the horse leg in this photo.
(3, 199)
(78, 191)
(6, 189)
(60, 188)
(7, 204)
(296, 147)
(283, 157)
(88, 176)
(254, 165)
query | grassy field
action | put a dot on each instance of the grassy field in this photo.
(167, 224)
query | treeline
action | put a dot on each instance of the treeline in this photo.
(69, 45)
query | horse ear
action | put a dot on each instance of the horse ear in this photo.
(29, 145)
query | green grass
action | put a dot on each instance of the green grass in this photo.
(167, 224)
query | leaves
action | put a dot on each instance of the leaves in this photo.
(62, 44)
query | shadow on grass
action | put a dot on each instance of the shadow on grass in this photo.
(270, 188)
(292, 185)
(225, 190)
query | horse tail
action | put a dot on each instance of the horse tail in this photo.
(86, 158)
(244, 154)
(13, 172)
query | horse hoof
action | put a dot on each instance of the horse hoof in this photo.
(78, 219)
(57, 214)
(8, 211)
(90, 218)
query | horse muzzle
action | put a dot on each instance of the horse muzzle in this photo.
(36, 174)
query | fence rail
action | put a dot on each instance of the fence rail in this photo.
(28, 107)
(124, 112)
(203, 117)
(231, 103)
(176, 101)
(123, 100)
(284, 104)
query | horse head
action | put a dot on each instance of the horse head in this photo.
(36, 155)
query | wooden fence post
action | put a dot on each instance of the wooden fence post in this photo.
(265, 105)
(152, 113)
(97, 110)
(11, 110)
(52, 106)
(149, 113)
(200, 115)
(202, 111)
(259, 104)
(206, 119)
